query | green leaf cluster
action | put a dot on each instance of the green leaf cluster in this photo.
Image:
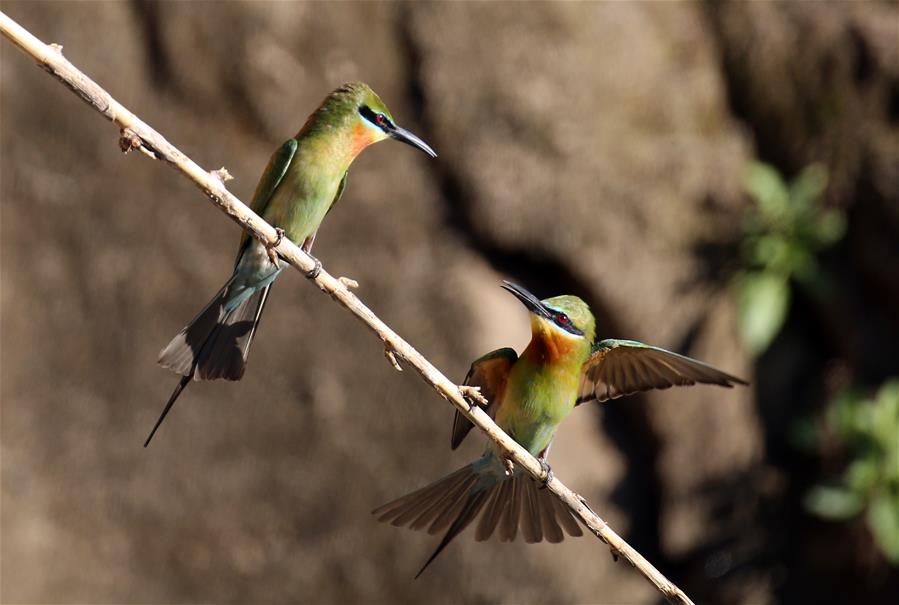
(869, 429)
(782, 232)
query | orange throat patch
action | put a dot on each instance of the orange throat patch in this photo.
(548, 344)
(362, 137)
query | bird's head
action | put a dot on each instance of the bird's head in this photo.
(563, 324)
(357, 112)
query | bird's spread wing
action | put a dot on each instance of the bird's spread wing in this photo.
(490, 373)
(271, 178)
(617, 368)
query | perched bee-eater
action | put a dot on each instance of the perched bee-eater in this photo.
(303, 180)
(529, 395)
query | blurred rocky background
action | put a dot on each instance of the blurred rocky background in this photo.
(594, 149)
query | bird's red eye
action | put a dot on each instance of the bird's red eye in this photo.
(381, 120)
(563, 319)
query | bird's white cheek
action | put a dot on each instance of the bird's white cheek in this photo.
(375, 133)
(561, 332)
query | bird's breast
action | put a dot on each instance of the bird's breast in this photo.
(301, 202)
(536, 400)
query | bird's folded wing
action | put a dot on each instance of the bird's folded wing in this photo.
(269, 181)
(617, 368)
(489, 373)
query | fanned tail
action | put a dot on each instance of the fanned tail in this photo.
(215, 344)
(508, 504)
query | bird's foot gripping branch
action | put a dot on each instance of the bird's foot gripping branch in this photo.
(529, 396)
(51, 60)
(270, 247)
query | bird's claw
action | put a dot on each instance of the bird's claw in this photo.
(547, 473)
(270, 248)
(472, 395)
(510, 466)
(315, 270)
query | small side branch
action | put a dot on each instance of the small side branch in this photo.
(135, 134)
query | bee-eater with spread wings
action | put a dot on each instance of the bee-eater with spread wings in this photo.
(529, 396)
(303, 180)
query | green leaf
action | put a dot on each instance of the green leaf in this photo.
(808, 186)
(863, 474)
(772, 250)
(886, 427)
(833, 503)
(885, 420)
(848, 414)
(767, 188)
(764, 299)
(829, 228)
(802, 265)
(883, 520)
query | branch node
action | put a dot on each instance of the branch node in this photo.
(390, 354)
(137, 135)
(222, 174)
(348, 283)
(130, 140)
(472, 395)
(148, 152)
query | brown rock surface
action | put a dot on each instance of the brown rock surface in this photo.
(584, 148)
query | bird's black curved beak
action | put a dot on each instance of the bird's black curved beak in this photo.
(528, 300)
(404, 136)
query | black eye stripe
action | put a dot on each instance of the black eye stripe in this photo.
(563, 321)
(366, 112)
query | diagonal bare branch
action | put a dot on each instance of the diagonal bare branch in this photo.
(137, 135)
